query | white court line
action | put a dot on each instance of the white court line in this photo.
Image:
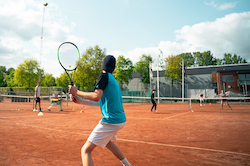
(149, 143)
(185, 147)
(178, 114)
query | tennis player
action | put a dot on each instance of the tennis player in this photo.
(107, 93)
(56, 101)
(153, 101)
(37, 97)
(201, 99)
(222, 94)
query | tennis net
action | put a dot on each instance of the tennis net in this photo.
(194, 104)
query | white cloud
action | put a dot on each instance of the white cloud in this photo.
(229, 34)
(20, 33)
(223, 6)
(226, 6)
(211, 4)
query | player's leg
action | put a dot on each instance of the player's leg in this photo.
(155, 106)
(228, 104)
(117, 152)
(152, 105)
(221, 103)
(86, 151)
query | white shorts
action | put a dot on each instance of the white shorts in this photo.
(201, 99)
(104, 132)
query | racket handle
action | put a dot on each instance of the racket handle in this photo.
(72, 83)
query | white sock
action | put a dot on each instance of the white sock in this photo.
(125, 162)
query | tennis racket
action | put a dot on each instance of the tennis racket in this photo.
(68, 56)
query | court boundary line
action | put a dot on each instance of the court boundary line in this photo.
(185, 147)
(145, 142)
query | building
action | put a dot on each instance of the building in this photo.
(210, 80)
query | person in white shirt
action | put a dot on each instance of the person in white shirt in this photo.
(37, 97)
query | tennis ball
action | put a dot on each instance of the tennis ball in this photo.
(69, 65)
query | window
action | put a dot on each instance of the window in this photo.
(227, 78)
(247, 76)
(242, 77)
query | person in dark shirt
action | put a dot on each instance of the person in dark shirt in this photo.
(153, 101)
(222, 95)
(201, 99)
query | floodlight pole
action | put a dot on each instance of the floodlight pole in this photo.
(183, 80)
(41, 49)
(158, 88)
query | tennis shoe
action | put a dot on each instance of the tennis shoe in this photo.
(156, 111)
(35, 110)
(48, 109)
(41, 110)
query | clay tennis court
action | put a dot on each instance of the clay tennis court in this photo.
(174, 136)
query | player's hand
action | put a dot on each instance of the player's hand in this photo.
(73, 89)
(73, 98)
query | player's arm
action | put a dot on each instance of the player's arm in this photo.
(92, 96)
(83, 102)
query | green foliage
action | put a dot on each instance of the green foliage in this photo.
(48, 80)
(63, 80)
(229, 59)
(3, 69)
(173, 67)
(2, 81)
(10, 79)
(89, 67)
(143, 68)
(204, 59)
(27, 73)
(124, 70)
(188, 59)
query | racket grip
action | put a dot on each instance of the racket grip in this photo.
(72, 83)
(74, 99)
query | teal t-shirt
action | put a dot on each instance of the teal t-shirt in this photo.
(111, 101)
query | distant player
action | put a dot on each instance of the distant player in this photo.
(153, 101)
(56, 101)
(37, 97)
(201, 99)
(222, 94)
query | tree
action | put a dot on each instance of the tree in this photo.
(89, 67)
(229, 59)
(173, 69)
(124, 70)
(204, 59)
(143, 68)
(188, 59)
(10, 79)
(3, 69)
(27, 72)
(48, 80)
(2, 80)
(10, 70)
(63, 80)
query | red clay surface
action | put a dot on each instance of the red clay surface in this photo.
(174, 136)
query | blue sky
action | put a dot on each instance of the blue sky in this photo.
(123, 27)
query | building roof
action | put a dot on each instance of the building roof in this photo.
(241, 68)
